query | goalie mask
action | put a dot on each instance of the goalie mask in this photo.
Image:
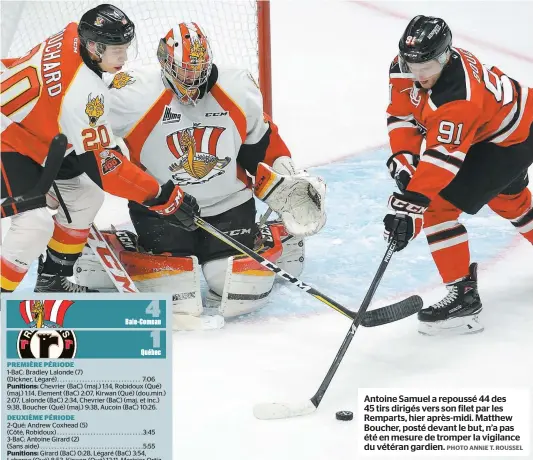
(186, 61)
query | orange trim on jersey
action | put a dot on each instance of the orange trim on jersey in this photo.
(276, 146)
(137, 135)
(236, 113)
(122, 178)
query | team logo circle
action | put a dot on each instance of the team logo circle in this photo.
(46, 343)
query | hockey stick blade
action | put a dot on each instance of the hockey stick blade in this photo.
(273, 411)
(393, 312)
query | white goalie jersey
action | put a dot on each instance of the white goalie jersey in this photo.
(207, 148)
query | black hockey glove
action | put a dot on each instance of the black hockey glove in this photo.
(404, 222)
(402, 166)
(176, 205)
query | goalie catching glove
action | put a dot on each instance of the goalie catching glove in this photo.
(297, 198)
(173, 201)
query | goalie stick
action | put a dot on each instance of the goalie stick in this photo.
(377, 317)
(114, 269)
(270, 411)
(37, 195)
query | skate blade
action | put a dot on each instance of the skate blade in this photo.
(453, 326)
(183, 322)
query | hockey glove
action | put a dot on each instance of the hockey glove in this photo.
(402, 166)
(174, 203)
(404, 222)
(297, 198)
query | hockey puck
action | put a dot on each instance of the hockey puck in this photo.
(344, 415)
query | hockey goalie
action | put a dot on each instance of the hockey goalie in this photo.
(203, 128)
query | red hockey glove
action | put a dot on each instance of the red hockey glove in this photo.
(405, 220)
(402, 166)
(173, 202)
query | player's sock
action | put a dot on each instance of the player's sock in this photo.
(11, 275)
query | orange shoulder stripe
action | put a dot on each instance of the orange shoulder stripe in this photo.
(137, 136)
(235, 111)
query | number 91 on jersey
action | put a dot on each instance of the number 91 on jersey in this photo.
(86, 376)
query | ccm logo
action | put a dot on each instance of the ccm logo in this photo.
(215, 114)
(401, 205)
(240, 231)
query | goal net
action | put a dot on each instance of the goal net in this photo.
(238, 29)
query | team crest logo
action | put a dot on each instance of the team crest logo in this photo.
(414, 94)
(46, 338)
(121, 79)
(195, 151)
(99, 22)
(94, 108)
(198, 52)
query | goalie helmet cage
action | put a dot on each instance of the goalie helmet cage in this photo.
(239, 30)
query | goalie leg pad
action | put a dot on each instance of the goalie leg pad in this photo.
(293, 254)
(161, 273)
(150, 272)
(242, 283)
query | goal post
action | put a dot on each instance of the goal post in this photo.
(238, 30)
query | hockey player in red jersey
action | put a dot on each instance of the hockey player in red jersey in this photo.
(477, 126)
(57, 87)
(203, 127)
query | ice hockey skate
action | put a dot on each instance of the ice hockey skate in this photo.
(56, 283)
(457, 313)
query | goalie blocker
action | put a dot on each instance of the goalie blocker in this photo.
(247, 284)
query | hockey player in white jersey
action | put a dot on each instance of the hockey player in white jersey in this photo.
(57, 87)
(203, 128)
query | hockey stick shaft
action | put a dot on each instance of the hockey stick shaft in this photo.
(54, 159)
(120, 277)
(355, 324)
(274, 268)
(264, 217)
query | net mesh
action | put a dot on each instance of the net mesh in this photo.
(231, 26)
